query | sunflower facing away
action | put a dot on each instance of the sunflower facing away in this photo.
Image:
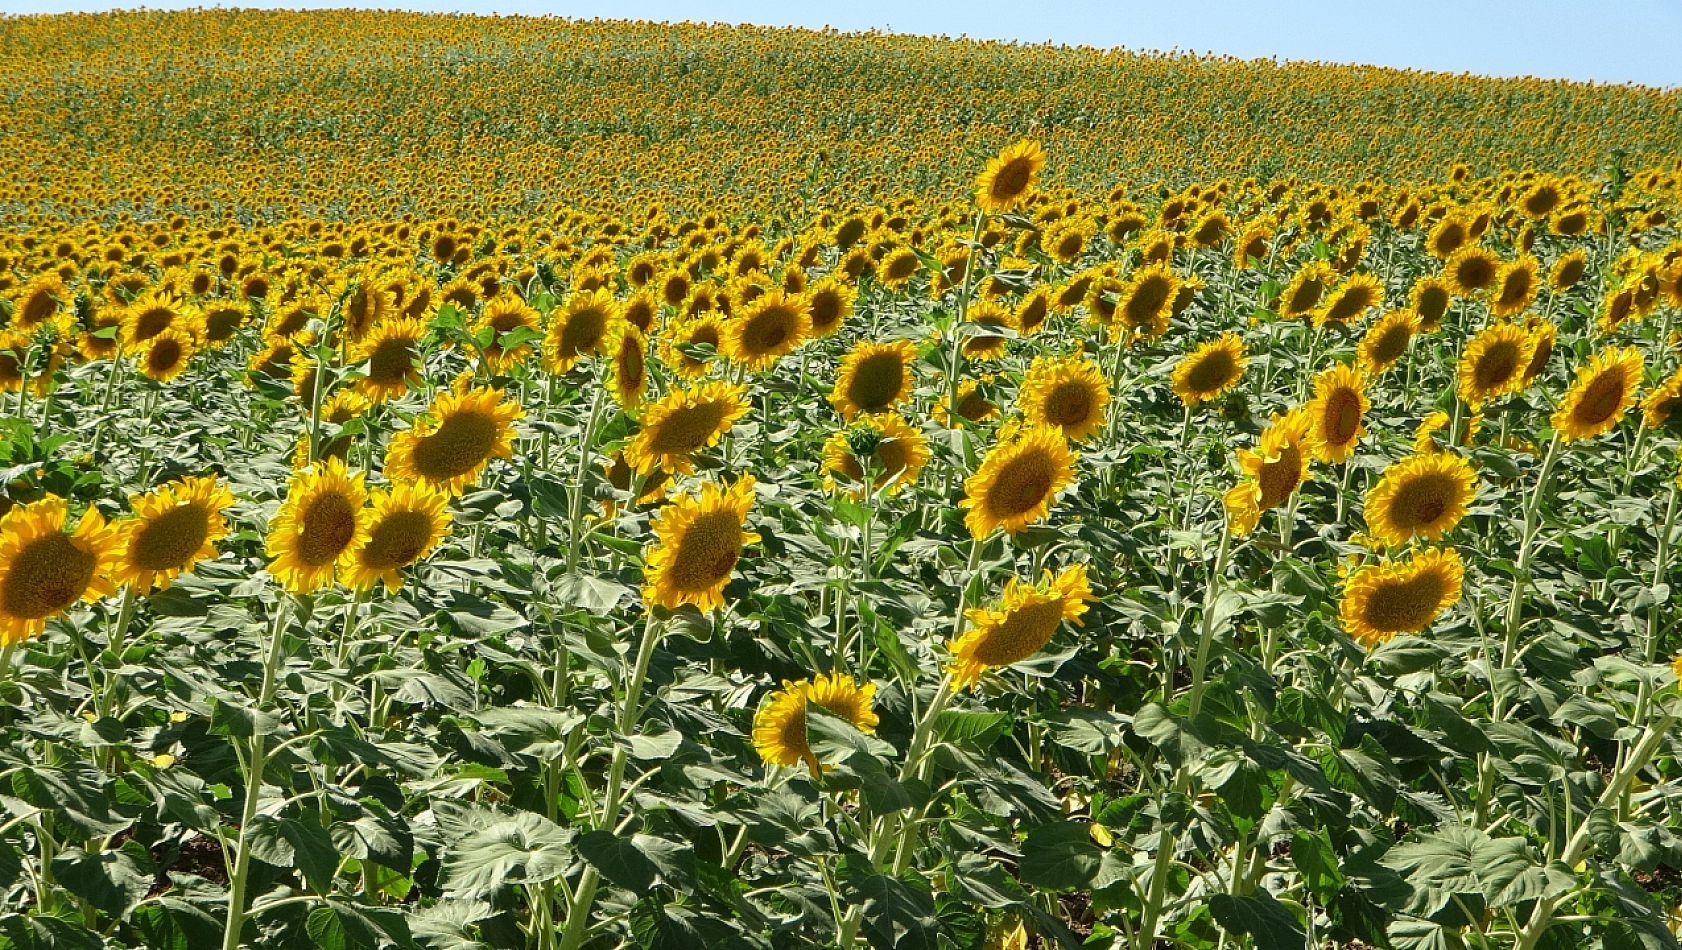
(391, 352)
(779, 728)
(1009, 177)
(1383, 600)
(174, 527)
(1017, 481)
(1338, 413)
(448, 451)
(1386, 341)
(682, 423)
(1019, 625)
(403, 525)
(1270, 474)
(769, 328)
(874, 377)
(886, 443)
(698, 541)
(1210, 370)
(1420, 496)
(1494, 362)
(1069, 393)
(1602, 392)
(44, 571)
(320, 522)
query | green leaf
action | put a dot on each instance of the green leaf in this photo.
(619, 860)
(899, 913)
(108, 880)
(1315, 860)
(1061, 856)
(168, 923)
(294, 842)
(1460, 861)
(523, 848)
(1270, 923)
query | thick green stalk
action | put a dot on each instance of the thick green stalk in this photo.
(256, 762)
(1206, 626)
(575, 504)
(1521, 569)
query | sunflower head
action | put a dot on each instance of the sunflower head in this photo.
(1019, 625)
(627, 368)
(769, 328)
(1338, 412)
(1302, 296)
(403, 525)
(174, 527)
(1354, 297)
(44, 571)
(504, 320)
(684, 422)
(882, 443)
(166, 355)
(779, 728)
(1068, 393)
(1515, 286)
(578, 329)
(391, 353)
(1271, 473)
(1017, 481)
(1660, 405)
(1386, 341)
(830, 302)
(449, 450)
(1009, 177)
(321, 521)
(1430, 299)
(1494, 363)
(698, 542)
(1602, 392)
(874, 377)
(1421, 496)
(1385, 599)
(1471, 270)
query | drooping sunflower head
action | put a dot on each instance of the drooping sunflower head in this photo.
(174, 527)
(769, 328)
(1430, 299)
(1009, 177)
(1017, 481)
(698, 542)
(321, 521)
(885, 444)
(448, 451)
(1602, 392)
(874, 377)
(45, 571)
(577, 329)
(166, 355)
(1354, 297)
(1515, 286)
(505, 319)
(1338, 413)
(1383, 600)
(403, 525)
(1494, 362)
(1210, 370)
(1421, 496)
(1019, 625)
(392, 354)
(1068, 393)
(684, 422)
(1386, 341)
(1471, 270)
(779, 728)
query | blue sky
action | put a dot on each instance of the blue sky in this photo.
(1636, 41)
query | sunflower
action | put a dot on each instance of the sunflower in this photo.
(1542, 334)
(1515, 287)
(1392, 597)
(449, 450)
(973, 406)
(1601, 393)
(886, 443)
(620, 476)
(1067, 393)
(1386, 341)
(703, 331)
(830, 302)
(1430, 299)
(40, 301)
(1337, 413)
(1009, 177)
(174, 527)
(391, 352)
(150, 315)
(627, 368)
(505, 315)
(982, 316)
(1421, 496)
(1302, 296)
(699, 541)
(1471, 270)
(293, 318)
(1354, 297)
(1661, 403)
(874, 377)
(1271, 473)
(1030, 315)
(1494, 362)
(1144, 302)
(681, 423)
(898, 267)
(768, 329)
(320, 522)
(1019, 625)
(1017, 481)
(222, 321)
(44, 571)
(1568, 270)
(1540, 198)
(366, 303)
(166, 355)
(579, 328)
(402, 526)
(94, 346)
(779, 728)
(1210, 370)
(1252, 247)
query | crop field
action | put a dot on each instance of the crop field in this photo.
(545, 485)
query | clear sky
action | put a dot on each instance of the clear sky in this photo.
(1637, 41)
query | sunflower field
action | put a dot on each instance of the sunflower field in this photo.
(544, 485)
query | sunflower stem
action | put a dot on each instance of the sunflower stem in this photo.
(1521, 569)
(1206, 626)
(1614, 534)
(110, 396)
(575, 514)
(256, 762)
(956, 363)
